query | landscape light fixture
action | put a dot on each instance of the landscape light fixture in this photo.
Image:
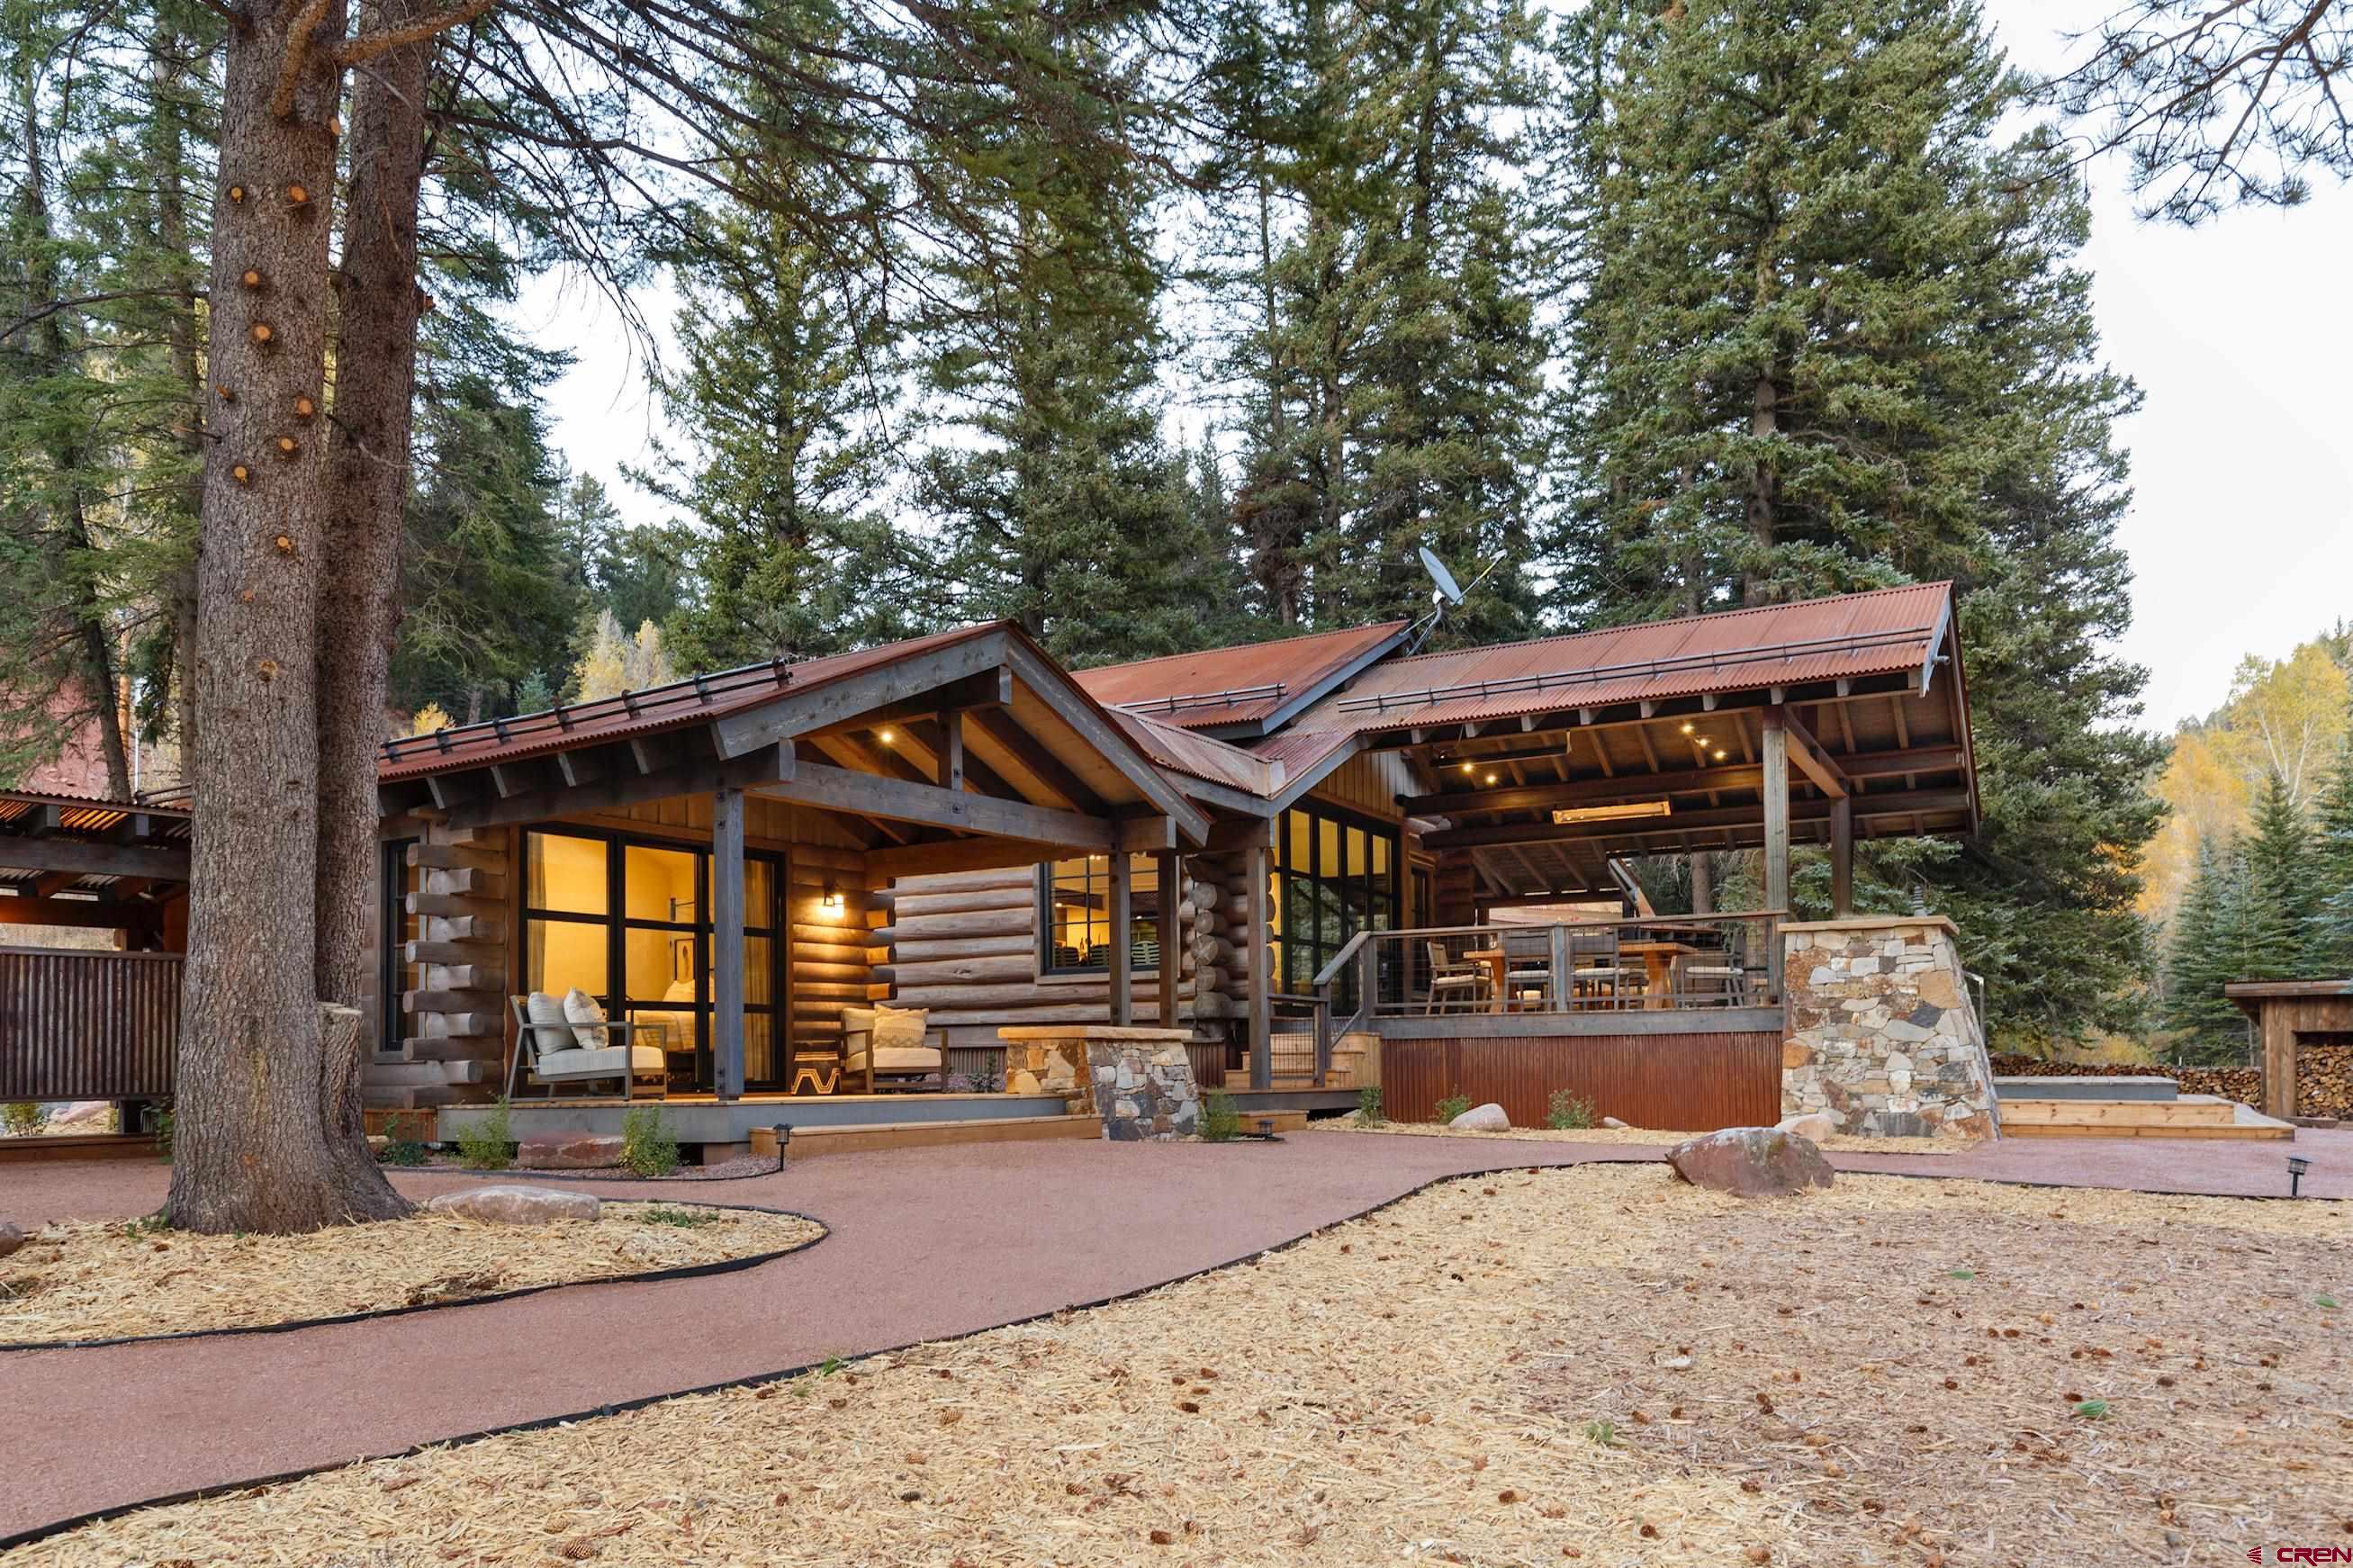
(2297, 1167)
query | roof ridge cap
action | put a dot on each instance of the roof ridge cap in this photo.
(1676, 620)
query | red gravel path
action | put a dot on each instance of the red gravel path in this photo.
(925, 1243)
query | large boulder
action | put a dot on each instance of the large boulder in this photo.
(511, 1205)
(11, 1238)
(567, 1151)
(1487, 1118)
(1751, 1163)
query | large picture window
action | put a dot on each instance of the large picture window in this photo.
(627, 921)
(1075, 916)
(1334, 875)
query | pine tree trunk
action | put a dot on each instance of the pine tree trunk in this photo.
(251, 1148)
(1763, 423)
(368, 446)
(167, 153)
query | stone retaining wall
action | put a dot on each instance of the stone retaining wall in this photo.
(1881, 1033)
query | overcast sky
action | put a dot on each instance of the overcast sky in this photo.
(2238, 332)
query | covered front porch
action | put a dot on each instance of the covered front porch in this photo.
(702, 860)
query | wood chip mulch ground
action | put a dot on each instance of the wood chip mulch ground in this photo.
(1593, 1364)
(1644, 1136)
(82, 1280)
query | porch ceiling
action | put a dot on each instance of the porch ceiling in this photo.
(69, 861)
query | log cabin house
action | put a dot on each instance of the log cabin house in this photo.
(1328, 860)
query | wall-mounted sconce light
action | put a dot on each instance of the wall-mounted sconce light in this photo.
(831, 903)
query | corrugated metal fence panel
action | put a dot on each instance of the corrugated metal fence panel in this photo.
(1208, 1063)
(1687, 1083)
(87, 1025)
(976, 1061)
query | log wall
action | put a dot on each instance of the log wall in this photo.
(964, 947)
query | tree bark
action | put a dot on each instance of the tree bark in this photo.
(368, 444)
(251, 1150)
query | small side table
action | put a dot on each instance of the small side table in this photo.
(820, 1079)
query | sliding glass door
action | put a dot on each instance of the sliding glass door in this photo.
(627, 921)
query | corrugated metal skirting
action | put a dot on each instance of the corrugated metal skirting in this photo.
(1688, 1083)
(87, 1025)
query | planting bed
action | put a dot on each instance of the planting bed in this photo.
(78, 1280)
(1595, 1363)
(1644, 1138)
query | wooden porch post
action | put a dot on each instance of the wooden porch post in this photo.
(1122, 941)
(1170, 872)
(727, 944)
(1776, 830)
(1842, 857)
(1261, 1046)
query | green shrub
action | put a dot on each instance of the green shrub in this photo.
(401, 1152)
(1452, 1106)
(2092, 1410)
(1368, 1106)
(1220, 1120)
(487, 1141)
(23, 1117)
(648, 1147)
(684, 1219)
(1568, 1112)
(1604, 1433)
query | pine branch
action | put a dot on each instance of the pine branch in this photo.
(367, 46)
(297, 54)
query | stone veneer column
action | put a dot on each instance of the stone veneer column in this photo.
(1140, 1081)
(1880, 1030)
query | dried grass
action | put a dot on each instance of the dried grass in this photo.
(96, 1280)
(1645, 1138)
(1418, 1386)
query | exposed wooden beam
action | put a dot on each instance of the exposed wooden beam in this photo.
(85, 859)
(100, 915)
(1022, 751)
(938, 857)
(1816, 763)
(1073, 706)
(772, 766)
(1867, 807)
(1582, 792)
(793, 712)
(579, 768)
(899, 800)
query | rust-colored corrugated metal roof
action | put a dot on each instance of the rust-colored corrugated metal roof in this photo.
(1876, 633)
(695, 701)
(87, 816)
(1244, 684)
(1181, 751)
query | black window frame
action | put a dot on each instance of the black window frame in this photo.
(1048, 969)
(393, 971)
(618, 923)
(1303, 946)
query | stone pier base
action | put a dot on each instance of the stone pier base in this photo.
(1881, 1033)
(1140, 1081)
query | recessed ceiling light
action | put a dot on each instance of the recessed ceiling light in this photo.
(1490, 778)
(1687, 729)
(1719, 753)
(886, 736)
(1470, 767)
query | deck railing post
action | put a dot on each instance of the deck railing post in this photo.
(1560, 970)
(727, 913)
(1123, 940)
(1322, 1030)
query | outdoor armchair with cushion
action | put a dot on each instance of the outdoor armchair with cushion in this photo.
(892, 1048)
(1451, 978)
(549, 1035)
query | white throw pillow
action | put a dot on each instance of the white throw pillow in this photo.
(587, 1020)
(899, 1027)
(551, 1030)
(858, 1020)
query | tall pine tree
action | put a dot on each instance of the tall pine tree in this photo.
(2329, 928)
(1833, 338)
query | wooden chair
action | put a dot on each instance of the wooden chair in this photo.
(1594, 972)
(892, 1068)
(1717, 978)
(1449, 977)
(574, 1063)
(1527, 971)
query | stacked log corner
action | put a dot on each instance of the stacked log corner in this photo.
(453, 1049)
(966, 947)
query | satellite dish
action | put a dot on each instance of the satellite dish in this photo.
(1449, 590)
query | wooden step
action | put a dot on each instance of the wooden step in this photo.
(2187, 1110)
(811, 1141)
(2244, 1121)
